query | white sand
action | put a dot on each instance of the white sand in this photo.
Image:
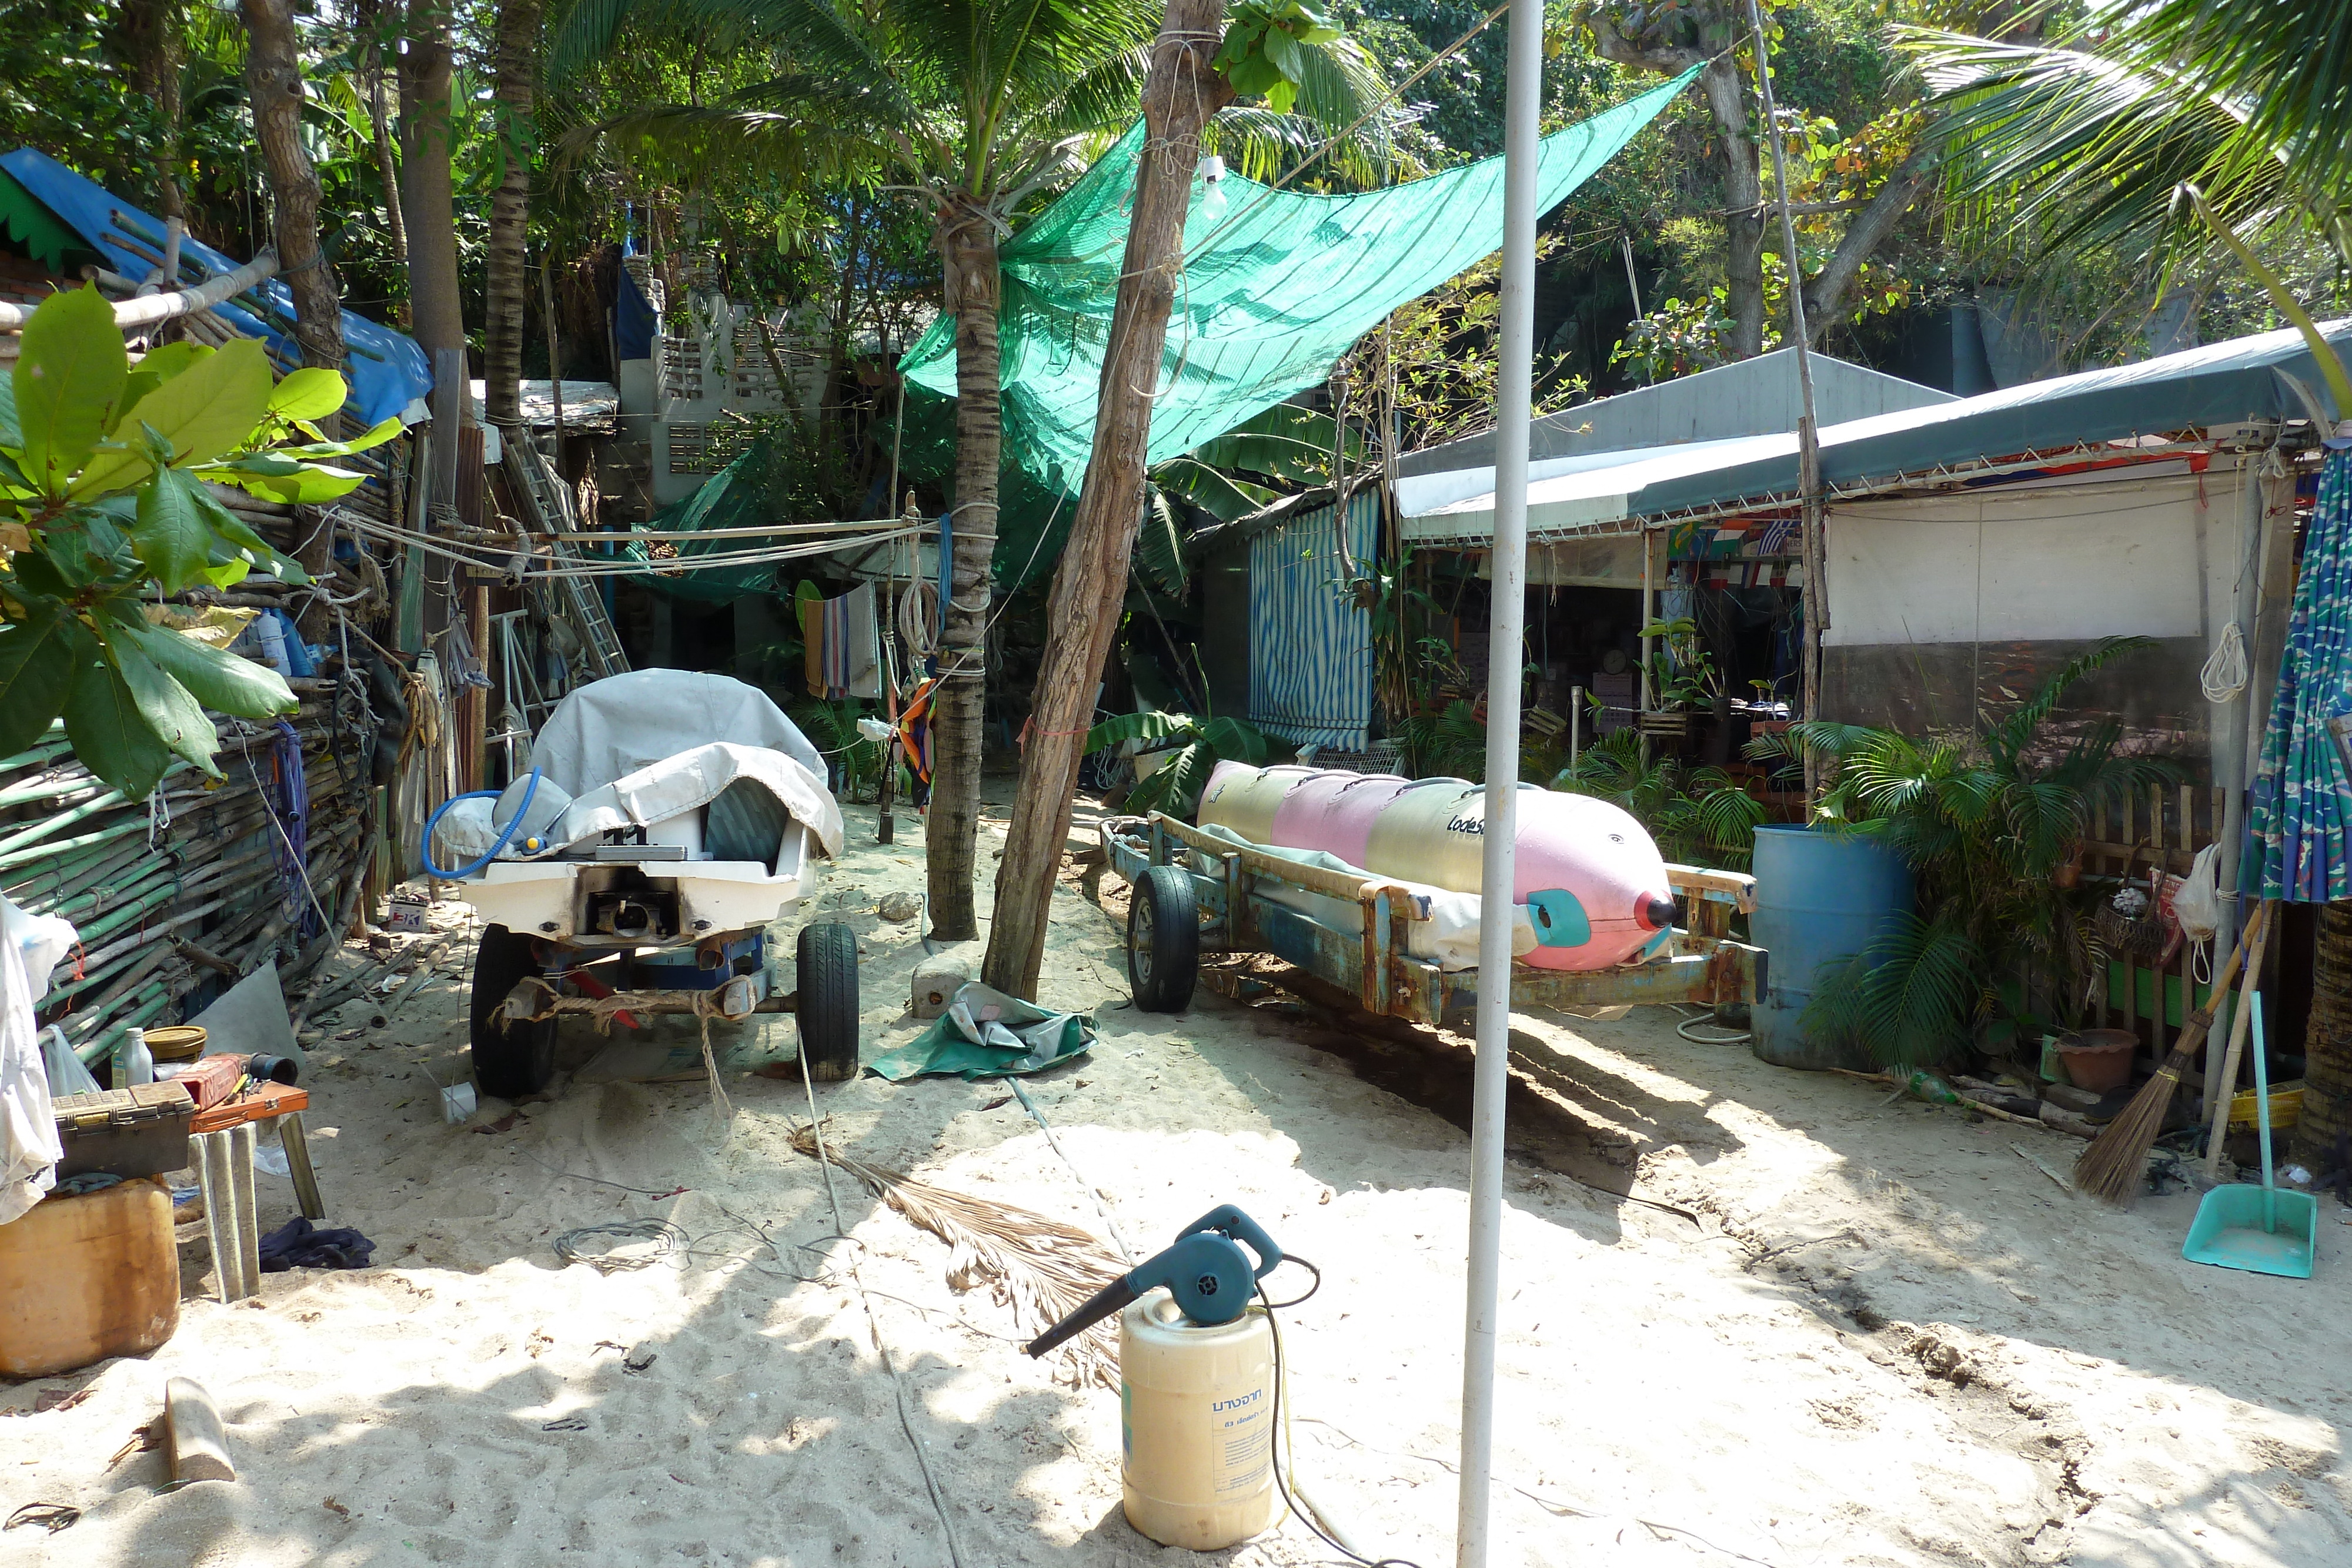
(1891, 1340)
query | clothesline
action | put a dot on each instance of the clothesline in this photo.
(496, 562)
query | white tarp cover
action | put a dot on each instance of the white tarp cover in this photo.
(611, 729)
(639, 748)
(679, 784)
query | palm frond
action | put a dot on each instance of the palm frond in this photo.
(2291, 64)
(1217, 493)
(1040, 1268)
(2081, 149)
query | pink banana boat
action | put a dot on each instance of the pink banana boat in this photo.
(1591, 876)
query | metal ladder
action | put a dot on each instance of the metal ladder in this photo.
(576, 596)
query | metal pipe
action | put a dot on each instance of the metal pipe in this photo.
(1506, 630)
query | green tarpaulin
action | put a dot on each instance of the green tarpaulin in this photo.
(1276, 285)
(26, 221)
(739, 495)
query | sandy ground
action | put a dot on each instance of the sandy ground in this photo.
(1830, 1330)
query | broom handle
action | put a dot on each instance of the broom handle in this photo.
(2217, 1095)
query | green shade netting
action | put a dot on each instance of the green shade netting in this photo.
(28, 221)
(735, 496)
(1277, 286)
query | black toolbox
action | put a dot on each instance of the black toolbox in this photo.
(125, 1131)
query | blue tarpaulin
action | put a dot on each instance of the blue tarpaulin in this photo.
(387, 370)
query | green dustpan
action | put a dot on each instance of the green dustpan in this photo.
(2260, 1229)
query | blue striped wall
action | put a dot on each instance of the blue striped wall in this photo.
(1310, 646)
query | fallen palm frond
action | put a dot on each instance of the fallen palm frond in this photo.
(1041, 1267)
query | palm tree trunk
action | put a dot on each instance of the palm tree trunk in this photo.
(426, 141)
(2327, 1045)
(1090, 586)
(966, 238)
(502, 325)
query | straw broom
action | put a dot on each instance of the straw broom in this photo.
(2115, 1164)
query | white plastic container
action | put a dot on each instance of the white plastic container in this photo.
(1196, 1421)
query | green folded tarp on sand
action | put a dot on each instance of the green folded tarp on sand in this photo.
(986, 1034)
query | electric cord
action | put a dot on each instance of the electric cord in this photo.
(1307, 1516)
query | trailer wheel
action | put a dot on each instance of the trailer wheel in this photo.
(511, 1060)
(826, 957)
(1163, 940)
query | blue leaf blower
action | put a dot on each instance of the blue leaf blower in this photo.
(1206, 1270)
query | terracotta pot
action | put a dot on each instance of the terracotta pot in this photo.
(2098, 1060)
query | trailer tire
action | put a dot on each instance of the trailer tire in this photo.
(826, 959)
(510, 1061)
(1163, 940)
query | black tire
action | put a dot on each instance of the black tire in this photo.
(826, 960)
(510, 1061)
(1163, 940)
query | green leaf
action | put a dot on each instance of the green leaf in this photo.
(36, 658)
(219, 679)
(109, 736)
(171, 710)
(203, 412)
(298, 484)
(376, 435)
(1149, 725)
(11, 437)
(70, 367)
(310, 392)
(173, 358)
(135, 386)
(174, 534)
(233, 529)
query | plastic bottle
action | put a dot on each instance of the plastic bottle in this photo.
(1932, 1089)
(1196, 1423)
(138, 1063)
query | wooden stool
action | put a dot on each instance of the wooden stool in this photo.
(223, 1136)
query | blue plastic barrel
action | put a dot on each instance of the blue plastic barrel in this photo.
(1820, 896)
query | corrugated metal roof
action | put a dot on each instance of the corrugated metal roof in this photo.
(2221, 384)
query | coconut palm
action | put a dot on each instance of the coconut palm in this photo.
(2084, 144)
(971, 106)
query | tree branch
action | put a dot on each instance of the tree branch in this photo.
(1825, 293)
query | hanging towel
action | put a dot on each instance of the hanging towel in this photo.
(863, 651)
(842, 660)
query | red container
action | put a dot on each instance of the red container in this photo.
(2099, 1060)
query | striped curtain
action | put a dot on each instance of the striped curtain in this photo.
(1310, 646)
(2301, 802)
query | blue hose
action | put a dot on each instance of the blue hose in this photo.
(530, 789)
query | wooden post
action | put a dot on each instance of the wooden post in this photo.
(1181, 94)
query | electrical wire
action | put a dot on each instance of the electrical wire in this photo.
(1307, 1516)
